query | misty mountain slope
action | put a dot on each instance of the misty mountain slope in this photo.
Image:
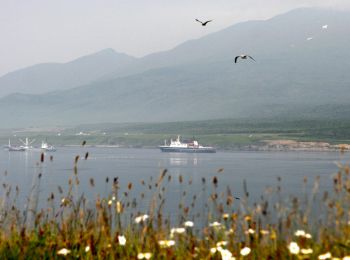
(259, 38)
(47, 77)
(223, 90)
(292, 77)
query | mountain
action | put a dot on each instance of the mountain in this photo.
(274, 36)
(292, 77)
(48, 77)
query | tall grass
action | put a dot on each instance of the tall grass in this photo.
(133, 224)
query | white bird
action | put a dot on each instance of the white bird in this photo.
(325, 26)
(309, 39)
(204, 23)
(243, 57)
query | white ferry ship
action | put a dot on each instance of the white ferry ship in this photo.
(187, 147)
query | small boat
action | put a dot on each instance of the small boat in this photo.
(47, 147)
(186, 147)
(27, 144)
(12, 148)
(16, 149)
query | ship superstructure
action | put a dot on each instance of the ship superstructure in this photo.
(186, 147)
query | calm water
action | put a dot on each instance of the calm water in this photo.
(259, 169)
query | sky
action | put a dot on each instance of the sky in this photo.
(38, 31)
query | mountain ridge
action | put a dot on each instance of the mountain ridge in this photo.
(46, 77)
(292, 77)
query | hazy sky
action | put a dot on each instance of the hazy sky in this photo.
(36, 31)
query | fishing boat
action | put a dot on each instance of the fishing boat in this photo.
(192, 146)
(12, 148)
(27, 144)
(47, 147)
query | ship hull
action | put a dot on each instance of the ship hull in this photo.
(187, 150)
(16, 149)
(49, 149)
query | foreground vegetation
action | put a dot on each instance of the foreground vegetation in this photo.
(135, 224)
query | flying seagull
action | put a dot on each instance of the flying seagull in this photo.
(243, 57)
(325, 26)
(204, 23)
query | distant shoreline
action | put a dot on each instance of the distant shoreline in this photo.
(268, 146)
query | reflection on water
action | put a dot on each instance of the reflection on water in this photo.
(176, 161)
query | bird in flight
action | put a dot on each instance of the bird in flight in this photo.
(243, 57)
(204, 23)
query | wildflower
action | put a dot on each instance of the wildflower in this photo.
(299, 233)
(307, 251)
(230, 231)
(308, 236)
(146, 255)
(302, 233)
(215, 224)
(226, 254)
(225, 216)
(221, 243)
(273, 235)
(63, 251)
(87, 249)
(325, 256)
(141, 218)
(293, 248)
(109, 202)
(166, 243)
(250, 231)
(245, 251)
(248, 218)
(264, 232)
(122, 240)
(188, 224)
(118, 206)
(213, 250)
(177, 230)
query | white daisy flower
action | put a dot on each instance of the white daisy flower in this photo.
(63, 251)
(215, 224)
(245, 251)
(327, 255)
(306, 251)
(293, 248)
(141, 218)
(146, 255)
(221, 243)
(122, 240)
(188, 224)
